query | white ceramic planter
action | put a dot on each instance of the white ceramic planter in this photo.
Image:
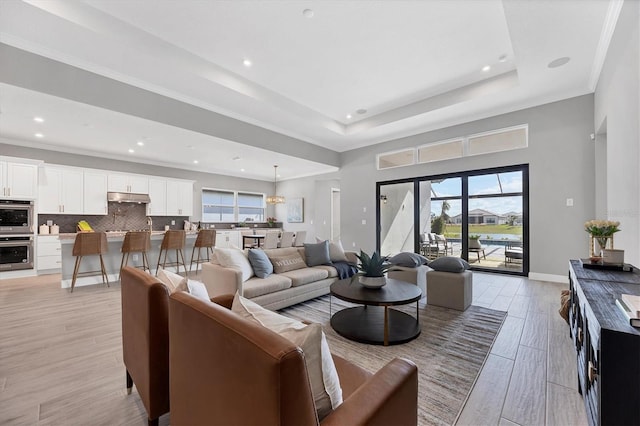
(372, 282)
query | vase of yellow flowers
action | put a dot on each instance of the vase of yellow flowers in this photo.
(601, 232)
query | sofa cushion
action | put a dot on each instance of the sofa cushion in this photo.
(260, 262)
(336, 251)
(305, 276)
(255, 286)
(286, 263)
(235, 258)
(172, 281)
(317, 254)
(449, 264)
(408, 259)
(323, 376)
(198, 289)
(330, 270)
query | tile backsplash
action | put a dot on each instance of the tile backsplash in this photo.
(121, 217)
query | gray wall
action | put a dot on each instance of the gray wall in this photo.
(561, 163)
(617, 119)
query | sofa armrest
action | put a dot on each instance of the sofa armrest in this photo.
(220, 280)
(389, 397)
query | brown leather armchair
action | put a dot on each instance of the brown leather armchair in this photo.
(145, 339)
(228, 371)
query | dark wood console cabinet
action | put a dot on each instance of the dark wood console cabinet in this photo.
(608, 348)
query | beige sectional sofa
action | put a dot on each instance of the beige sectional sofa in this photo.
(277, 290)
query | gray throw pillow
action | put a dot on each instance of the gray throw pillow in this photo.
(260, 263)
(317, 254)
(408, 259)
(449, 264)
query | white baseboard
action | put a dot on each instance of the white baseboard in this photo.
(564, 279)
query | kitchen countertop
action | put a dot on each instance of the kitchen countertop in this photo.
(111, 235)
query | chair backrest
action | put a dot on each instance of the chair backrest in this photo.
(206, 238)
(136, 241)
(287, 239)
(235, 358)
(145, 337)
(173, 240)
(271, 240)
(88, 243)
(301, 237)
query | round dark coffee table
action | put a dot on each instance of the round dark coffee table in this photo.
(371, 324)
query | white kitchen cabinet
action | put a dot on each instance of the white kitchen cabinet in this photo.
(60, 190)
(179, 198)
(158, 196)
(135, 184)
(48, 254)
(18, 180)
(228, 239)
(95, 192)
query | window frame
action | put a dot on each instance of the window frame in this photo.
(235, 206)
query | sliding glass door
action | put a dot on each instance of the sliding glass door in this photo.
(479, 215)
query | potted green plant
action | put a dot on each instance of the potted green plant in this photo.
(474, 241)
(372, 269)
(271, 221)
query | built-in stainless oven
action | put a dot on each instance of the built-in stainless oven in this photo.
(16, 217)
(16, 252)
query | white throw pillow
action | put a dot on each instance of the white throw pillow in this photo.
(234, 258)
(173, 281)
(198, 289)
(323, 376)
(336, 251)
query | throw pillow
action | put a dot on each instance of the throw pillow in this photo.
(234, 258)
(287, 263)
(317, 254)
(449, 264)
(336, 251)
(198, 289)
(408, 259)
(260, 262)
(172, 281)
(323, 376)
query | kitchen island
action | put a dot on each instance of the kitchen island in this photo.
(113, 258)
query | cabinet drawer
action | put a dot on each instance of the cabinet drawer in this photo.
(49, 248)
(49, 262)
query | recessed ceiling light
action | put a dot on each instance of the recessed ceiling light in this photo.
(195, 161)
(502, 58)
(559, 62)
(242, 170)
(39, 135)
(247, 63)
(140, 143)
(38, 119)
(486, 68)
(131, 151)
(308, 13)
(361, 111)
(348, 116)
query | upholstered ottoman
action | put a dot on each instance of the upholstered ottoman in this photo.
(450, 289)
(416, 275)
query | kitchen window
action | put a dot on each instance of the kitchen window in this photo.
(232, 206)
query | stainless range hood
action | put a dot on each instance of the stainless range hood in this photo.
(125, 197)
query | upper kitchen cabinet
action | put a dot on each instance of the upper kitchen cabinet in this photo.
(179, 198)
(158, 197)
(95, 192)
(60, 190)
(18, 180)
(135, 184)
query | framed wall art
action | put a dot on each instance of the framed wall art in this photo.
(295, 210)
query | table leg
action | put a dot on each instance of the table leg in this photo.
(386, 326)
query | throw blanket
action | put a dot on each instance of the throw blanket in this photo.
(345, 269)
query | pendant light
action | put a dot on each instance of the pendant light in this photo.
(275, 199)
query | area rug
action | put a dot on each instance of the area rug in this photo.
(449, 352)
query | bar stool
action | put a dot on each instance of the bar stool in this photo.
(173, 240)
(136, 242)
(206, 239)
(89, 244)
